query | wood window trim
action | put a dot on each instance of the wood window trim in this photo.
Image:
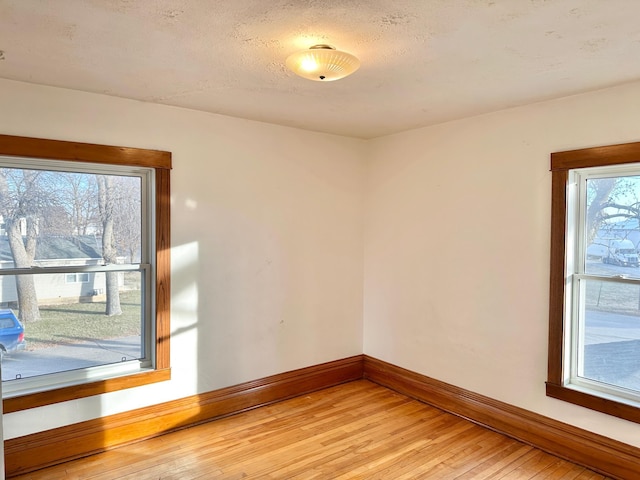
(160, 161)
(561, 163)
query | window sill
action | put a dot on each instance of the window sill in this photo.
(74, 392)
(578, 397)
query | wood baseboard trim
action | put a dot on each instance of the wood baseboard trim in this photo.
(43, 449)
(601, 454)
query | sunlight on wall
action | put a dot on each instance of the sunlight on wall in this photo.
(184, 316)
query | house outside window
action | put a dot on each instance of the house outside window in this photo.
(594, 339)
(84, 266)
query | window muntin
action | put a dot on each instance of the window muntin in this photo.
(65, 209)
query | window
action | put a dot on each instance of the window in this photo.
(84, 264)
(594, 327)
(79, 278)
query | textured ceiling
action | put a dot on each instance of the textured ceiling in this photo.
(423, 61)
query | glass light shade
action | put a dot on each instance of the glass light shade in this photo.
(322, 63)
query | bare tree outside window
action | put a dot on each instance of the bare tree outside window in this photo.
(611, 200)
(38, 204)
(24, 196)
(127, 217)
(78, 193)
(106, 202)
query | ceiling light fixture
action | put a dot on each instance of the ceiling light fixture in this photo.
(322, 63)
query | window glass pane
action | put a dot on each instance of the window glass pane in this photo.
(54, 218)
(612, 226)
(77, 277)
(609, 337)
(73, 331)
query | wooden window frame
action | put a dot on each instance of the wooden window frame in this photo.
(160, 161)
(561, 163)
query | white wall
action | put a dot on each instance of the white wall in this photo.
(457, 247)
(267, 227)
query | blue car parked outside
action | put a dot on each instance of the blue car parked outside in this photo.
(11, 333)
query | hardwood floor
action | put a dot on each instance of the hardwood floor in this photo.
(358, 430)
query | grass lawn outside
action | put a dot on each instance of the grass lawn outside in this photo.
(613, 297)
(78, 322)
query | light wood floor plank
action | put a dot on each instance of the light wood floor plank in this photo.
(358, 430)
(490, 464)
